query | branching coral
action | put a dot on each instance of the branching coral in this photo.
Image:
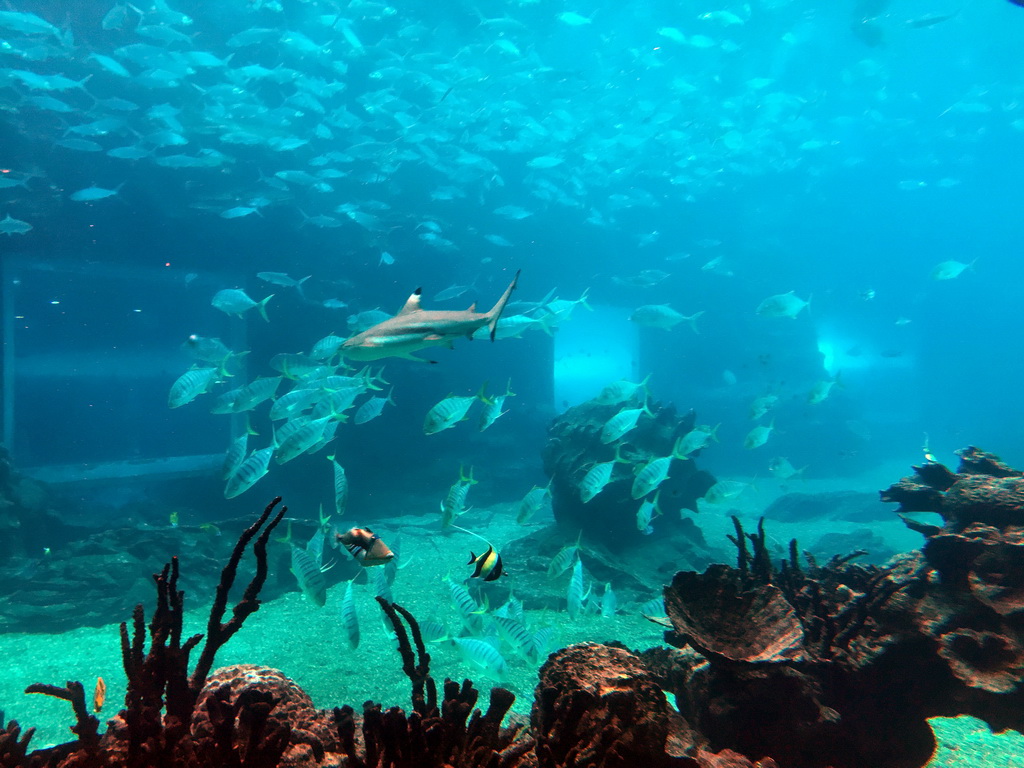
(153, 728)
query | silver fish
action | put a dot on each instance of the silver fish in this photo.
(349, 618)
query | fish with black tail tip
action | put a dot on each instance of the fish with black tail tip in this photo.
(414, 329)
(364, 545)
(488, 565)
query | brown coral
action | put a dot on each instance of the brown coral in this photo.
(985, 660)
(752, 626)
(233, 691)
(596, 705)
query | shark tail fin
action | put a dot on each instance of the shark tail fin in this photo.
(495, 314)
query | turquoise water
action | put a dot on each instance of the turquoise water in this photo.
(801, 222)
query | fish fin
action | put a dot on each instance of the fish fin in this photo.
(693, 321)
(287, 538)
(411, 356)
(495, 313)
(484, 608)
(412, 304)
(263, 307)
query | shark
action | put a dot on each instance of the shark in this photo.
(414, 329)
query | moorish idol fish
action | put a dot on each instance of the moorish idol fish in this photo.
(488, 565)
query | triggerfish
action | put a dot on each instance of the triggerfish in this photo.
(365, 546)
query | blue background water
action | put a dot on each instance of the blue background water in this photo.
(829, 181)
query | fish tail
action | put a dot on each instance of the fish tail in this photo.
(643, 385)
(693, 321)
(263, 307)
(495, 314)
(583, 299)
(677, 453)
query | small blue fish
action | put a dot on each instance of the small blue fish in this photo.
(90, 194)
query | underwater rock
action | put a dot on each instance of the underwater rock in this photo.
(876, 549)
(98, 578)
(597, 705)
(836, 505)
(574, 446)
(28, 524)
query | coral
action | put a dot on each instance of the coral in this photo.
(153, 728)
(602, 705)
(574, 445)
(597, 705)
(790, 660)
(430, 735)
(262, 716)
(972, 611)
(714, 615)
(86, 726)
(14, 744)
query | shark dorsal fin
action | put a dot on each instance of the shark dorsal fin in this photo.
(413, 304)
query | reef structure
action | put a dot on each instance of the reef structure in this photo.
(574, 446)
(840, 665)
(774, 665)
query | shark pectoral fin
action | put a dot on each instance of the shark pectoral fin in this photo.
(411, 356)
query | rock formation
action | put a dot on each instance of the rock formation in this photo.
(574, 445)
